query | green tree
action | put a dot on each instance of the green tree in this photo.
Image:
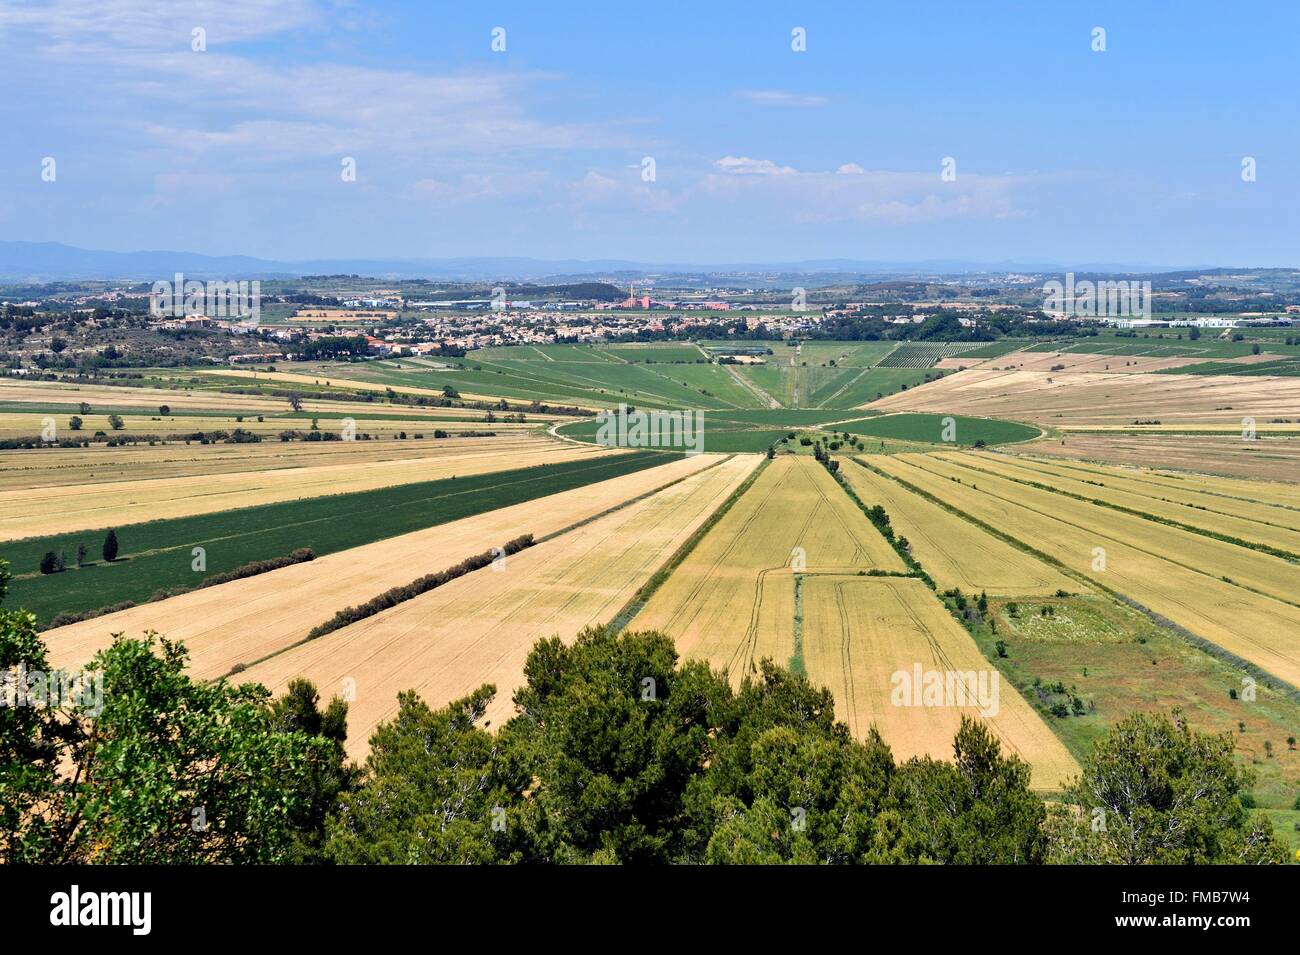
(152, 767)
(110, 546)
(612, 731)
(1154, 791)
(977, 810)
(621, 754)
(323, 781)
(115, 422)
(433, 783)
(74, 423)
(786, 783)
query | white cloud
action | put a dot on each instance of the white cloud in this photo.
(782, 98)
(744, 166)
(478, 187)
(124, 28)
(226, 102)
(853, 193)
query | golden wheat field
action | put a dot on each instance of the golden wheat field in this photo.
(1251, 530)
(954, 551)
(1148, 469)
(480, 628)
(1269, 502)
(178, 428)
(100, 463)
(66, 398)
(245, 620)
(867, 640)
(14, 391)
(50, 510)
(1090, 400)
(1072, 362)
(1271, 457)
(353, 384)
(1273, 576)
(1254, 627)
(731, 601)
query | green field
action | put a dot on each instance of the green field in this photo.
(930, 427)
(659, 375)
(1174, 343)
(742, 431)
(1283, 366)
(591, 382)
(1117, 662)
(998, 349)
(924, 354)
(721, 436)
(1286, 823)
(157, 554)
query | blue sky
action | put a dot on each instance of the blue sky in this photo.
(761, 153)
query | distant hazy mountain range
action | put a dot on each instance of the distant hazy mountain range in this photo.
(53, 261)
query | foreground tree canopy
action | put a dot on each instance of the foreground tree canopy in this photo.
(619, 753)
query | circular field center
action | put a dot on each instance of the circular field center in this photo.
(941, 429)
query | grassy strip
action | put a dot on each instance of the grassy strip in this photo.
(251, 569)
(646, 590)
(421, 585)
(796, 665)
(1213, 649)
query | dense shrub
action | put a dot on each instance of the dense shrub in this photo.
(396, 595)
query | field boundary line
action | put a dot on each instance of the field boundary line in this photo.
(1074, 464)
(887, 532)
(643, 594)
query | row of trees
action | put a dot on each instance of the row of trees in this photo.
(54, 562)
(619, 753)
